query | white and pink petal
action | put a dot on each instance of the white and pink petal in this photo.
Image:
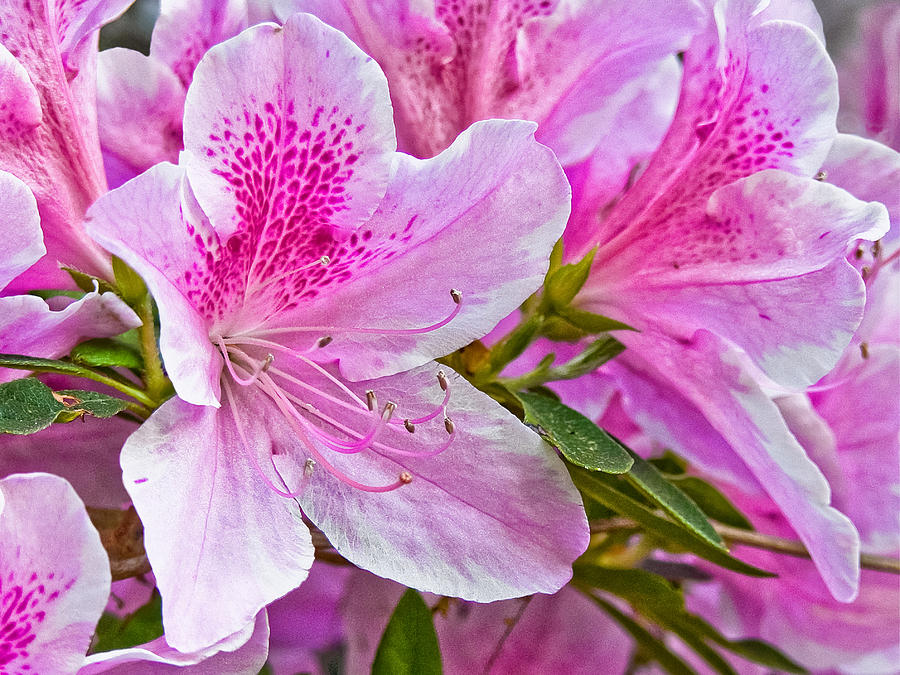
(54, 575)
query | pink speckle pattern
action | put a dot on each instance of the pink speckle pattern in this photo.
(738, 135)
(23, 605)
(438, 89)
(287, 182)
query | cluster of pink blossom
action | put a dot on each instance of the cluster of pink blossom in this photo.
(314, 251)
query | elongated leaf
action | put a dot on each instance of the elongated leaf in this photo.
(714, 503)
(79, 403)
(563, 285)
(673, 501)
(663, 603)
(580, 440)
(653, 647)
(39, 365)
(596, 486)
(409, 645)
(107, 353)
(590, 322)
(27, 406)
(143, 625)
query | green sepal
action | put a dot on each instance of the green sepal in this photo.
(563, 285)
(131, 287)
(86, 282)
(589, 322)
(579, 440)
(713, 503)
(409, 645)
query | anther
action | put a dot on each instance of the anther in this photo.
(859, 253)
(388, 412)
(820, 176)
(449, 426)
(410, 427)
(876, 249)
(324, 260)
(864, 349)
(371, 401)
(324, 341)
(442, 380)
(865, 272)
(406, 477)
(269, 360)
(456, 295)
(309, 466)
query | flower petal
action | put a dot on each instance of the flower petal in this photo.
(222, 545)
(29, 326)
(20, 229)
(710, 375)
(145, 224)
(158, 657)
(480, 218)
(186, 29)
(56, 576)
(287, 130)
(140, 103)
(493, 516)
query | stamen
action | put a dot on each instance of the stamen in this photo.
(254, 374)
(291, 414)
(820, 175)
(309, 466)
(324, 342)
(406, 477)
(410, 427)
(448, 425)
(323, 261)
(371, 401)
(442, 380)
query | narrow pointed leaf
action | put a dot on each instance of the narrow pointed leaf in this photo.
(713, 503)
(107, 353)
(409, 645)
(580, 440)
(673, 501)
(79, 402)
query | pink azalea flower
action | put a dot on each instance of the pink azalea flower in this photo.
(140, 99)
(48, 126)
(729, 259)
(28, 324)
(305, 275)
(54, 584)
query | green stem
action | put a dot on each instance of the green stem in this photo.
(155, 381)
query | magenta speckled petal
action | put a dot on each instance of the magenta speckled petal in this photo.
(213, 529)
(246, 655)
(478, 218)
(55, 575)
(563, 64)
(140, 104)
(186, 29)
(289, 152)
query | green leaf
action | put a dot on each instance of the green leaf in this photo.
(590, 322)
(511, 346)
(47, 293)
(409, 645)
(92, 403)
(144, 625)
(563, 285)
(27, 406)
(580, 440)
(714, 503)
(661, 602)
(602, 488)
(673, 501)
(107, 353)
(652, 647)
